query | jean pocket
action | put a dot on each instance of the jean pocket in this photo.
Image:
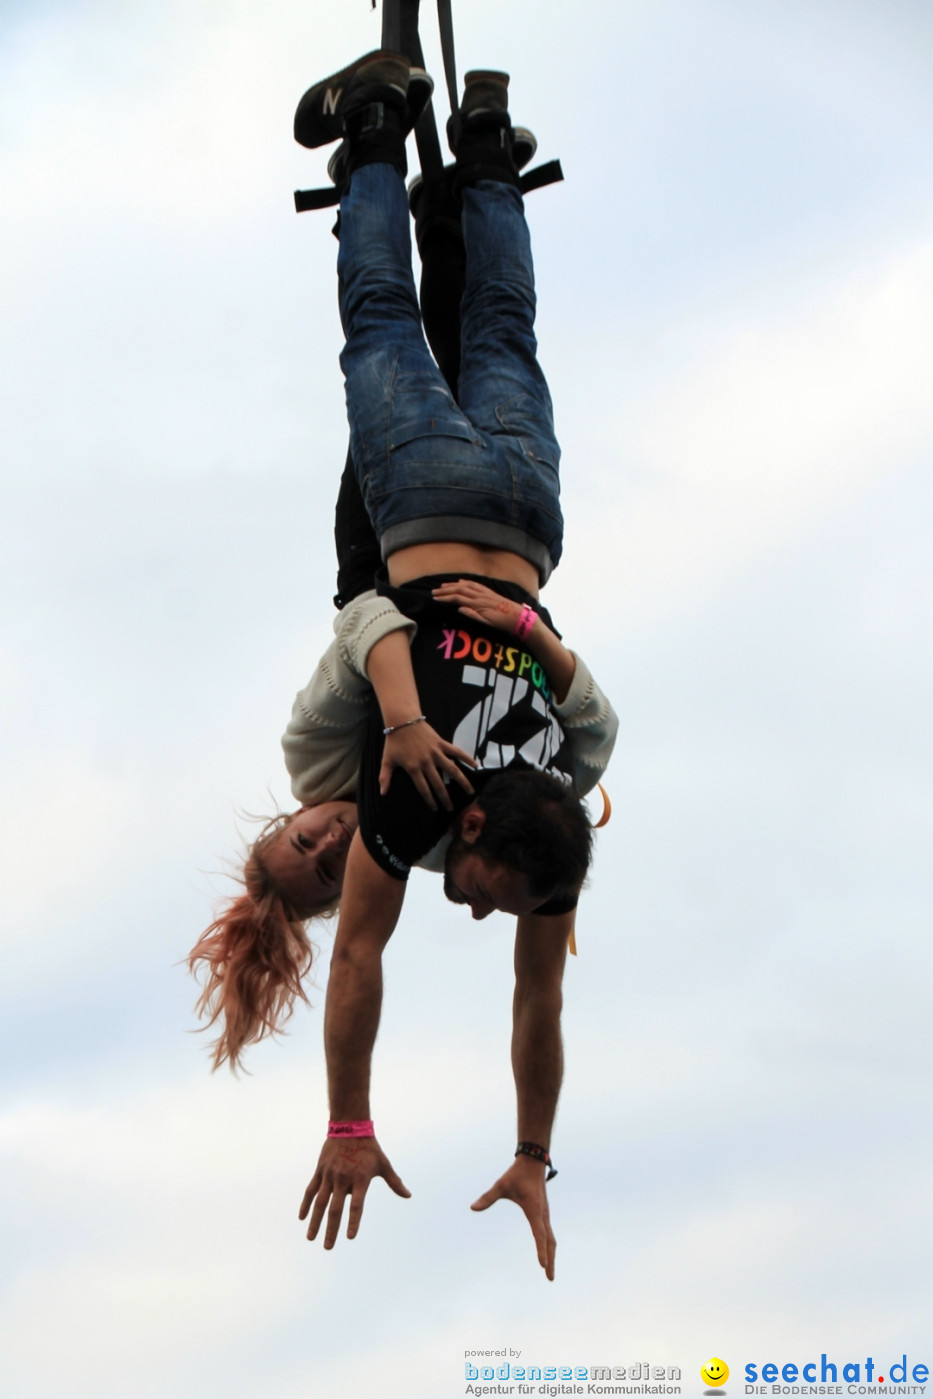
(421, 409)
(530, 423)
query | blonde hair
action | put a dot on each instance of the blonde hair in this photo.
(256, 953)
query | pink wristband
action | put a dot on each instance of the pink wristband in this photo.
(527, 618)
(350, 1129)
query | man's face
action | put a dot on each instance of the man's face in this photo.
(485, 885)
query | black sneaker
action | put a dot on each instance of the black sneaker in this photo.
(380, 76)
(337, 166)
(481, 134)
(484, 91)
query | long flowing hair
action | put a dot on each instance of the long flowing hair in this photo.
(255, 955)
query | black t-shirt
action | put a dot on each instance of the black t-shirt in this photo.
(481, 689)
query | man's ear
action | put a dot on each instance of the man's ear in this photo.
(472, 821)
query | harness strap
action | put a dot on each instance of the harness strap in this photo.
(429, 146)
(548, 174)
(445, 22)
(306, 199)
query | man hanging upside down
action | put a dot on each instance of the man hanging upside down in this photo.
(463, 498)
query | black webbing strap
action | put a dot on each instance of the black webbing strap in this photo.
(548, 174)
(306, 199)
(445, 22)
(541, 175)
(400, 32)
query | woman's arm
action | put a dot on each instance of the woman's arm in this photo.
(323, 740)
(414, 745)
(589, 720)
(484, 605)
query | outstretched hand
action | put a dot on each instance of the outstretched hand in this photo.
(345, 1167)
(427, 758)
(523, 1183)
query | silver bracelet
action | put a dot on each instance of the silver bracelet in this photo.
(394, 728)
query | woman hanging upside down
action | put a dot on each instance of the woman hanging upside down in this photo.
(257, 950)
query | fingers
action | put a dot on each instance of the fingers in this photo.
(535, 1208)
(429, 783)
(460, 777)
(490, 1198)
(394, 1182)
(466, 590)
(423, 789)
(545, 1243)
(455, 592)
(480, 603)
(535, 1211)
(459, 754)
(440, 788)
(317, 1214)
(313, 1188)
(343, 1178)
(444, 770)
(433, 775)
(423, 778)
(335, 1213)
(356, 1214)
(431, 762)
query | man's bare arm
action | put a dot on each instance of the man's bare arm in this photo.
(372, 902)
(538, 1066)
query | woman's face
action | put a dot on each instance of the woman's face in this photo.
(308, 856)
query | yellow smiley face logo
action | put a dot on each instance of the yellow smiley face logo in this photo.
(714, 1373)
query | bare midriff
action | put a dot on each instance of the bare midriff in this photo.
(422, 560)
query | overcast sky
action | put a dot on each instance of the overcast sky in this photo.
(736, 318)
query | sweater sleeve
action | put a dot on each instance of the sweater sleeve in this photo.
(324, 737)
(591, 725)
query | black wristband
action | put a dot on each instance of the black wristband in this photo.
(539, 1154)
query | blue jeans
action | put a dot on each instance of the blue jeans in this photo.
(484, 471)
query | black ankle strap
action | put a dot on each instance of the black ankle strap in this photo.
(550, 173)
(308, 199)
(484, 151)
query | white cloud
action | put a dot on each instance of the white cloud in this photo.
(57, 834)
(778, 418)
